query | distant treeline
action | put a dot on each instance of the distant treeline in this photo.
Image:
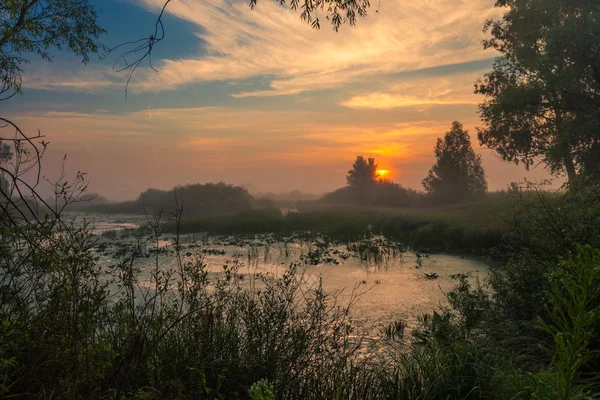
(383, 193)
(218, 198)
(457, 176)
(193, 200)
(290, 197)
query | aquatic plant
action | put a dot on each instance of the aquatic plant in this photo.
(253, 253)
(394, 330)
(431, 276)
(419, 260)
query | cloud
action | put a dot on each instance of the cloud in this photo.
(307, 145)
(420, 93)
(127, 153)
(227, 135)
(271, 40)
(387, 101)
(236, 43)
(77, 78)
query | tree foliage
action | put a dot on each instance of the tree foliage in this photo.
(194, 199)
(36, 26)
(457, 174)
(5, 152)
(337, 12)
(363, 173)
(542, 98)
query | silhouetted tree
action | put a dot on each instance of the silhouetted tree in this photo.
(194, 199)
(363, 174)
(383, 193)
(392, 194)
(542, 99)
(29, 28)
(457, 174)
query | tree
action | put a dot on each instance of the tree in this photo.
(457, 174)
(36, 26)
(542, 98)
(383, 193)
(363, 174)
(29, 28)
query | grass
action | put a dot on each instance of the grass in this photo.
(416, 231)
(494, 210)
(472, 228)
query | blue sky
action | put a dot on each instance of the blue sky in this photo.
(257, 97)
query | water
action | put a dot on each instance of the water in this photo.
(402, 286)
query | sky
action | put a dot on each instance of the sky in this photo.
(258, 98)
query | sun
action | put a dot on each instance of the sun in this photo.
(382, 172)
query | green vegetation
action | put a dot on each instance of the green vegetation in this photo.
(479, 227)
(72, 334)
(418, 231)
(457, 174)
(382, 193)
(35, 27)
(73, 330)
(540, 99)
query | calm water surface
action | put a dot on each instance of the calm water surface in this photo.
(400, 286)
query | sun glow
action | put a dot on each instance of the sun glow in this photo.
(382, 172)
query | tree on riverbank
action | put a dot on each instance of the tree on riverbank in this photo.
(457, 174)
(542, 98)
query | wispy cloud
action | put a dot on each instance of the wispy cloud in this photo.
(236, 43)
(271, 40)
(306, 142)
(67, 77)
(420, 93)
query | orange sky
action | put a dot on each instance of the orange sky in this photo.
(258, 98)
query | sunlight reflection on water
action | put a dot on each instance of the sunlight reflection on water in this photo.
(396, 288)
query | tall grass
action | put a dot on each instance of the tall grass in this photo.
(419, 232)
(71, 331)
(574, 303)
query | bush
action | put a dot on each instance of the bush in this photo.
(382, 193)
(71, 330)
